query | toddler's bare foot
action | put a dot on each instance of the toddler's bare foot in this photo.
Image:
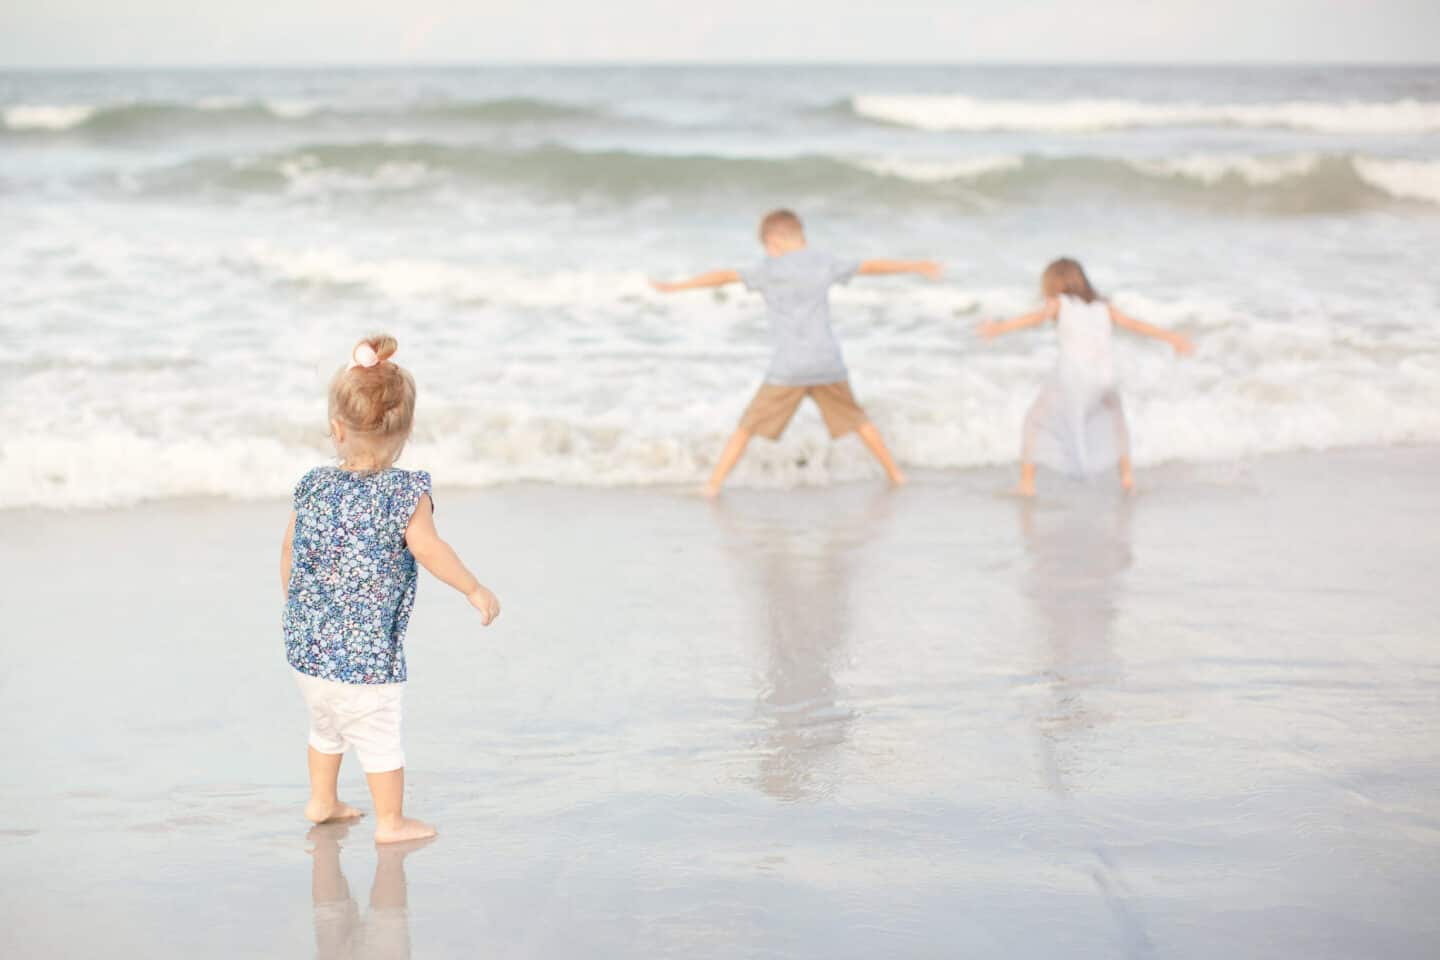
(321, 812)
(710, 491)
(1127, 482)
(326, 837)
(403, 829)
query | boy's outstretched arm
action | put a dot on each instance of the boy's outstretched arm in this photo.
(1179, 341)
(287, 552)
(440, 559)
(926, 268)
(715, 278)
(991, 329)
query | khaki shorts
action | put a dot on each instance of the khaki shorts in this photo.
(774, 405)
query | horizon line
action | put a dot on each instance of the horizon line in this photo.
(634, 63)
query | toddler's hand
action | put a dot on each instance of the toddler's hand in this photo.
(662, 287)
(988, 329)
(1182, 345)
(486, 602)
(931, 270)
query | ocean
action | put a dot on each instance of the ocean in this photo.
(186, 257)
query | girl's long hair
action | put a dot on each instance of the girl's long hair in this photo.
(1065, 277)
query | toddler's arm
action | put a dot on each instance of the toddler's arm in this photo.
(715, 278)
(1179, 341)
(990, 329)
(286, 552)
(926, 268)
(440, 559)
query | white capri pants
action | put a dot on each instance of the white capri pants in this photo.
(365, 716)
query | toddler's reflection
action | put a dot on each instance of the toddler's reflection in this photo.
(341, 933)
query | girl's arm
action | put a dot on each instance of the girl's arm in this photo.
(1179, 341)
(286, 552)
(440, 559)
(990, 329)
(715, 278)
(926, 268)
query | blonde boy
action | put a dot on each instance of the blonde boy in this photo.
(795, 281)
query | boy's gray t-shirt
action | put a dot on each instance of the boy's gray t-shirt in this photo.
(796, 288)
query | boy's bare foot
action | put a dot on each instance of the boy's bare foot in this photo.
(898, 479)
(710, 491)
(317, 812)
(404, 829)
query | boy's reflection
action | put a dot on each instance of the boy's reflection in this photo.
(341, 933)
(800, 569)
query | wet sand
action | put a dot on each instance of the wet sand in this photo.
(837, 722)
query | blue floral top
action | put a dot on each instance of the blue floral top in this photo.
(352, 579)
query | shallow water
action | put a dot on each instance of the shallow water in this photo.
(831, 722)
(187, 256)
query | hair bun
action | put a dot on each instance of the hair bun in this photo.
(383, 344)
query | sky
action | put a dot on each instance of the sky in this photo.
(41, 33)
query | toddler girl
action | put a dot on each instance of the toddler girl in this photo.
(348, 569)
(1077, 422)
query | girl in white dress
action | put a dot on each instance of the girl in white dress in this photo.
(1077, 424)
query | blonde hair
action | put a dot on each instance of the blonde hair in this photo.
(778, 222)
(376, 405)
(1065, 277)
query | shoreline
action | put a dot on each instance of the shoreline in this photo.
(967, 477)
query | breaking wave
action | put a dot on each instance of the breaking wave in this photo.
(972, 114)
(1286, 183)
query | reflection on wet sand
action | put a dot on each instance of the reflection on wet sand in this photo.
(341, 933)
(1077, 552)
(800, 568)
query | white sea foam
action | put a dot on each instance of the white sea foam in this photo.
(652, 402)
(945, 112)
(1210, 169)
(933, 170)
(1402, 179)
(307, 177)
(410, 278)
(46, 117)
(1411, 179)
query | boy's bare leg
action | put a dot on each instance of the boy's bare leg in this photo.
(871, 438)
(391, 824)
(1027, 480)
(324, 805)
(734, 448)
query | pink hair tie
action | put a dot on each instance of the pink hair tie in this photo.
(363, 355)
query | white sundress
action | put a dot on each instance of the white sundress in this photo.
(1076, 425)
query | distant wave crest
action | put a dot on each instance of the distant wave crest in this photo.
(936, 112)
(151, 117)
(1283, 183)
